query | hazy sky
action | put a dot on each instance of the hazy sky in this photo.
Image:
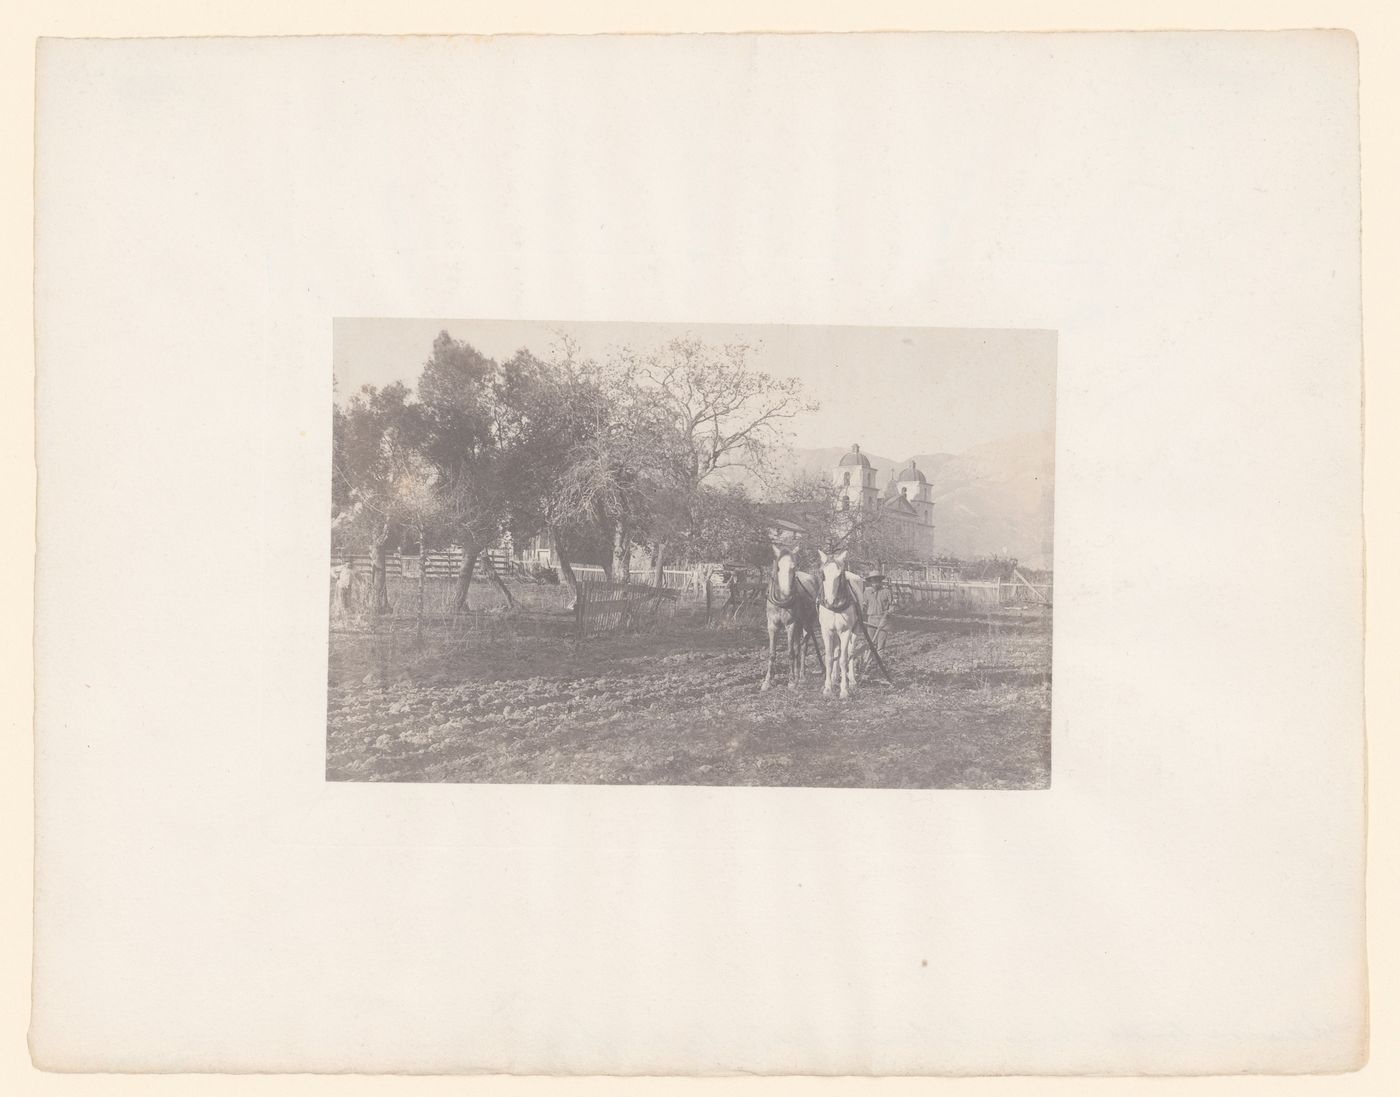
(896, 391)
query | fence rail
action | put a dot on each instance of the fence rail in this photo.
(443, 563)
(689, 580)
(603, 607)
(449, 563)
(973, 592)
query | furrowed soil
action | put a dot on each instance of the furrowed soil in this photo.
(969, 708)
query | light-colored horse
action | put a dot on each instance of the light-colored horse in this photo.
(839, 598)
(791, 609)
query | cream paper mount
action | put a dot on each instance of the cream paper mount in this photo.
(1179, 210)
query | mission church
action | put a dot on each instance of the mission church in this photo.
(903, 508)
(905, 502)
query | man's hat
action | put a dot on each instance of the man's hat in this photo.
(876, 578)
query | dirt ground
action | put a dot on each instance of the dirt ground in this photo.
(516, 701)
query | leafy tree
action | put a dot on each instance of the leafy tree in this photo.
(814, 502)
(731, 525)
(417, 508)
(629, 453)
(373, 435)
(456, 389)
(548, 413)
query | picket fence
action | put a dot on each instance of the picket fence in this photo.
(440, 564)
(971, 592)
(688, 580)
(603, 607)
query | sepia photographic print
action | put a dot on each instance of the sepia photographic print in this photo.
(597, 553)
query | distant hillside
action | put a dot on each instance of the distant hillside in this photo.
(995, 499)
(998, 498)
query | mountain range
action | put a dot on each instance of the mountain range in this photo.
(994, 499)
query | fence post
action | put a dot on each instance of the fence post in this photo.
(580, 598)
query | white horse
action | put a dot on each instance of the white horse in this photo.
(839, 597)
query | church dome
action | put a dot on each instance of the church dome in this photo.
(911, 473)
(855, 457)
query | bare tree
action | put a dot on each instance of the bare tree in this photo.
(679, 418)
(721, 411)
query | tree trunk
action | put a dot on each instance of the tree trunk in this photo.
(566, 569)
(622, 554)
(496, 578)
(607, 538)
(464, 580)
(658, 574)
(422, 588)
(379, 579)
(658, 571)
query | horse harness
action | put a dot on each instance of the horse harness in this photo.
(773, 599)
(845, 596)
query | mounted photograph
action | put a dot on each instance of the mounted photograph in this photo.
(670, 554)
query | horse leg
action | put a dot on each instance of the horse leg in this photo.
(768, 677)
(845, 656)
(772, 643)
(794, 641)
(832, 642)
(814, 631)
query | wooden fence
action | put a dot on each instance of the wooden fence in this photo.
(1023, 589)
(743, 602)
(686, 580)
(973, 593)
(603, 607)
(444, 563)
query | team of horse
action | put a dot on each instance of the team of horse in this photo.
(825, 607)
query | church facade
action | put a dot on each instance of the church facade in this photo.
(903, 508)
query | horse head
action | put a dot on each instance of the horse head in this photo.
(783, 567)
(833, 571)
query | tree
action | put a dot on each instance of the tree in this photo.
(816, 504)
(372, 436)
(722, 413)
(456, 389)
(549, 414)
(417, 507)
(878, 539)
(731, 525)
(632, 452)
(687, 413)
